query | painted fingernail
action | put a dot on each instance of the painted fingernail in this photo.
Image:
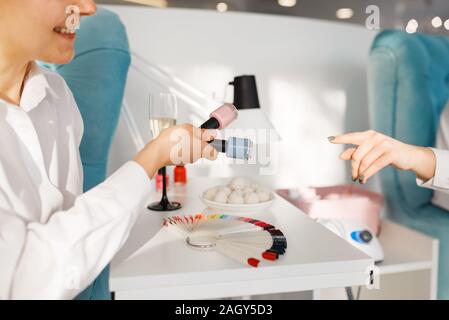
(331, 138)
(362, 179)
(211, 134)
(354, 179)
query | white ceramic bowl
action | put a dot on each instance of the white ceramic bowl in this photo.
(238, 207)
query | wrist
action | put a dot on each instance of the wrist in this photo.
(149, 158)
(424, 163)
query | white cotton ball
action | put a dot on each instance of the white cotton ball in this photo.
(236, 197)
(248, 190)
(210, 194)
(238, 192)
(255, 186)
(264, 195)
(251, 198)
(225, 190)
(239, 183)
(221, 197)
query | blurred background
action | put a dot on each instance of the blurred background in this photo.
(310, 59)
(395, 13)
(316, 77)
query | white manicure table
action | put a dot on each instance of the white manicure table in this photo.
(157, 264)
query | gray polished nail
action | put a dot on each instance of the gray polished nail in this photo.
(361, 179)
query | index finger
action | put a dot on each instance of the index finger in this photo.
(355, 138)
(206, 134)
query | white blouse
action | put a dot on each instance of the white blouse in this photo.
(440, 182)
(54, 240)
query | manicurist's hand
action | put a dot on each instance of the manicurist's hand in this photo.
(372, 151)
(176, 145)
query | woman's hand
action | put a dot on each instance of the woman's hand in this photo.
(176, 145)
(374, 151)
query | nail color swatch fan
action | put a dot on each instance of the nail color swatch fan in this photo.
(248, 241)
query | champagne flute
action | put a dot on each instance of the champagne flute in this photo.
(163, 111)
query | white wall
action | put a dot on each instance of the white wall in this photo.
(311, 77)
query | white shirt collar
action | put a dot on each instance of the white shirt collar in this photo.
(34, 89)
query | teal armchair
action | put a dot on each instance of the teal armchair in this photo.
(408, 85)
(97, 77)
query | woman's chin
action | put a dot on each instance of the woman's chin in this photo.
(60, 58)
(66, 59)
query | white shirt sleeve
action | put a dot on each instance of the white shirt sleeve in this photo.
(440, 181)
(58, 259)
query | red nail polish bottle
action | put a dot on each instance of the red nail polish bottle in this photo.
(180, 174)
(159, 181)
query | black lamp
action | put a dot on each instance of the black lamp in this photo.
(246, 100)
(245, 92)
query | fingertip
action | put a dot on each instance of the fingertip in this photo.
(206, 134)
(210, 152)
(213, 152)
(214, 156)
(210, 134)
(362, 180)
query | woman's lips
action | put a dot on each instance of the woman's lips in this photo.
(65, 32)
